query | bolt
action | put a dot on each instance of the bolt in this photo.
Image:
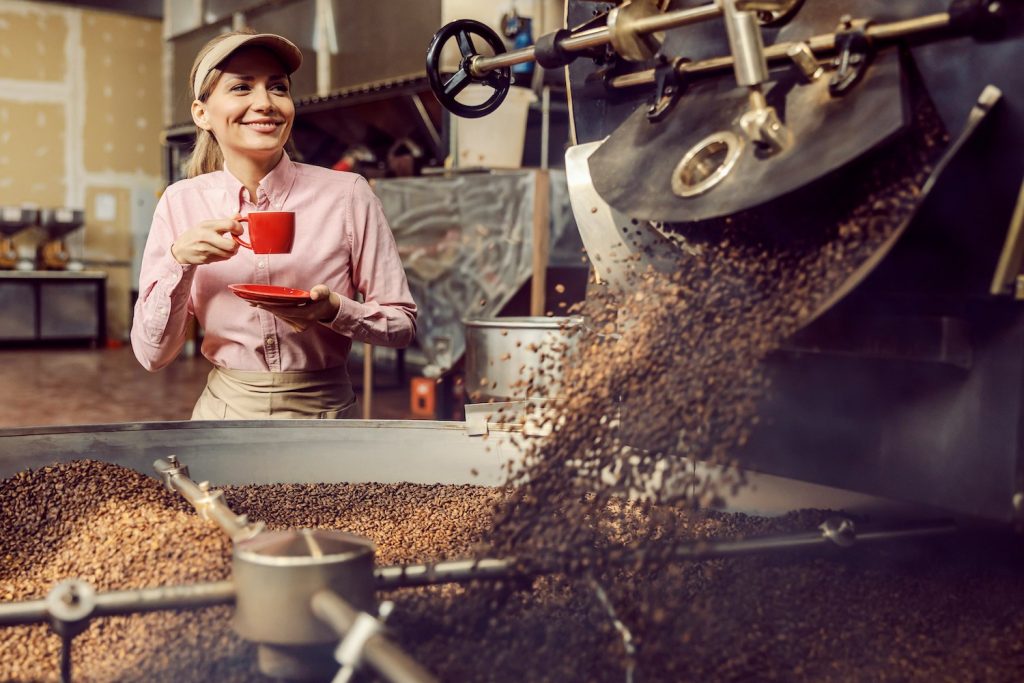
(70, 596)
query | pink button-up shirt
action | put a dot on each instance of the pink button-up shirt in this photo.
(341, 239)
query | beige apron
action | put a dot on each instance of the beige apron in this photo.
(243, 395)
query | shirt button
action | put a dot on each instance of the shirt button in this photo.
(261, 264)
(270, 341)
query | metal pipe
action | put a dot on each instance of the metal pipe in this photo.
(461, 571)
(128, 602)
(209, 504)
(820, 44)
(898, 29)
(65, 659)
(161, 598)
(684, 17)
(585, 40)
(451, 571)
(824, 537)
(21, 613)
(386, 658)
(596, 37)
(746, 45)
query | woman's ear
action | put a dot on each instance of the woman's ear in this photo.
(199, 115)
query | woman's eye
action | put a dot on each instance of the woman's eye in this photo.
(241, 87)
(280, 87)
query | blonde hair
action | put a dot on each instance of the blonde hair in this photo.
(207, 156)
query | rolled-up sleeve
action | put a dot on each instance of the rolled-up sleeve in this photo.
(164, 307)
(387, 314)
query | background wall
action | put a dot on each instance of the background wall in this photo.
(80, 119)
(547, 15)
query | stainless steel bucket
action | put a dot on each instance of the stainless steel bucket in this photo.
(502, 354)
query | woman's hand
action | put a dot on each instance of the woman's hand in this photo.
(208, 242)
(323, 308)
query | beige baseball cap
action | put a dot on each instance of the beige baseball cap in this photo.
(290, 56)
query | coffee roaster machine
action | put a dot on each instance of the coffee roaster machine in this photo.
(308, 598)
(908, 382)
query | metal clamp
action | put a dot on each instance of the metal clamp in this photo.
(349, 652)
(70, 604)
(855, 51)
(840, 531)
(173, 469)
(629, 43)
(669, 85)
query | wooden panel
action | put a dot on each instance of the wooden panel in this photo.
(32, 44)
(32, 166)
(109, 239)
(123, 94)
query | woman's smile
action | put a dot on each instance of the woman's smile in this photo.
(263, 125)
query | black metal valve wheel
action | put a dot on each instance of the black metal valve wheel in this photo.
(447, 90)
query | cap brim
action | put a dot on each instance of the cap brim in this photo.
(284, 49)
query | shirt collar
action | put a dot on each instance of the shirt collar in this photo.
(272, 190)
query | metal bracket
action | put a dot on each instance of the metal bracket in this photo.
(854, 56)
(70, 605)
(350, 650)
(176, 469)
(840, 531)
(630, 44)
(669, 85)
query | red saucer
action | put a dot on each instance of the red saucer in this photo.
(270, 294)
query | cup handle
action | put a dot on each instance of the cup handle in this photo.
(237, 239)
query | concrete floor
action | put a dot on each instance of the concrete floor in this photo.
(83, 386)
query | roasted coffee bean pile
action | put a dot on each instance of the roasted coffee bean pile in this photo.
(939, 611)
(116, 529)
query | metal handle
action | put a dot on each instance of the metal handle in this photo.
(209, 504)
(369, 644)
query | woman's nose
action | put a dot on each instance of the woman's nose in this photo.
(261, 99)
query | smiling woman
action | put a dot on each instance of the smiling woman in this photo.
(281, 359)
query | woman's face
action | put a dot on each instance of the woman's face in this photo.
(250, 110)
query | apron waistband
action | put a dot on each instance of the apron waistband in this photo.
(253, 395)
(257, 380)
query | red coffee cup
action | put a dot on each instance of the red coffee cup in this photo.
(271, 232)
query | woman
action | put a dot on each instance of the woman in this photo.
(270, 361)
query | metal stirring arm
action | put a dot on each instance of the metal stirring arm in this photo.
(72, 604)
(209, 504)
(73, 601)
(450, 571)
(838, 532)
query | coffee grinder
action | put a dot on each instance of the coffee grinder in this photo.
(57, 224)
(14, 219)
